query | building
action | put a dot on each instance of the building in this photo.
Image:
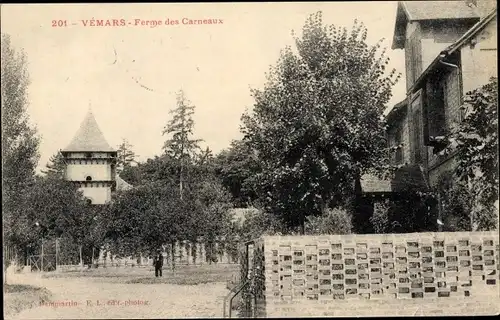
(91, 161)
(450, 49)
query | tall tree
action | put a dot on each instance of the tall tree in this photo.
(126, 156)
(19, 139)
(56, 166)
(317, 124)
(19, 142)
(180, 145)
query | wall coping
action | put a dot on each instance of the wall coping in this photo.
(396, 236)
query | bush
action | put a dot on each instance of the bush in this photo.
(333, 221)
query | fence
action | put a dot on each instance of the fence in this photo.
(64, 255)
(184, 253)
(314, 275)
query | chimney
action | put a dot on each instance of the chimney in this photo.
(471, 3)
(482, 7)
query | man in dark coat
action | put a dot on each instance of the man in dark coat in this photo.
(158, 264)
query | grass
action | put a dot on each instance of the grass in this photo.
(20, 297)
(183, 275)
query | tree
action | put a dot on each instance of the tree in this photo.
(475, 142)
(56, 166)
(51, 207)
(237, 168)
(126, 156)
(180, 146)
(19, 144)
(317, 125)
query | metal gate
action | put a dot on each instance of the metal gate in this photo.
(249, 283)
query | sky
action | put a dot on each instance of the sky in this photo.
(128, 75)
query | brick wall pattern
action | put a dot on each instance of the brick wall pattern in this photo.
(317, 271)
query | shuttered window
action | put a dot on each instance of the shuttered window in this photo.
(417, 131)
(435, 107)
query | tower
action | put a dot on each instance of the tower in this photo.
(90, 162)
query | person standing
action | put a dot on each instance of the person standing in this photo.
(158, 263)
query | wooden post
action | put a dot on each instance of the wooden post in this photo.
(172, 251)
(42, 257)
(81, 257)
(57, 251)
(440, 213)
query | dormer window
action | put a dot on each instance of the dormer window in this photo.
(88, 178)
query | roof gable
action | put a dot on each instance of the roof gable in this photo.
(89, 138)
(409, 11)
(472, 32)
(435, 10)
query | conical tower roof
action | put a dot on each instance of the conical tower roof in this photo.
(89, 138)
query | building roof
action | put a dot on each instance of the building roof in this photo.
(407, 178)
(471, 33)
(122, 185)
(408, 11)
(391, 113)
(88, 138)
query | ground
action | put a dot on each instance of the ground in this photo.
(19, 297)
(131, 293)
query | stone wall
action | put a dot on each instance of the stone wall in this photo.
(360, 274)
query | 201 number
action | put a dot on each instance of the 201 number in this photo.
(59, 23)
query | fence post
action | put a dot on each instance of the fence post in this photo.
(42, 257)
(57, 251)
(81, 257)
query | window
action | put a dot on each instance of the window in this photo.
(435, 112)
(395, 141)
(88, 155)
(88, 178)
(88, 200)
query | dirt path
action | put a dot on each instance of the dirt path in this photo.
(90, 298)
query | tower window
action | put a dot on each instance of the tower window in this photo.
(88, 178)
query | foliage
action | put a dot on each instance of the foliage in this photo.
(56, 166)
(380, 218)
(137, 219)
(256, 223)
(317, 124)
(180, 146)
(476, 143)
(126, 156)
(54, 208)
(143, 219)
(456, 203)
(237, 168)
(19, 143)
(333, 221)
